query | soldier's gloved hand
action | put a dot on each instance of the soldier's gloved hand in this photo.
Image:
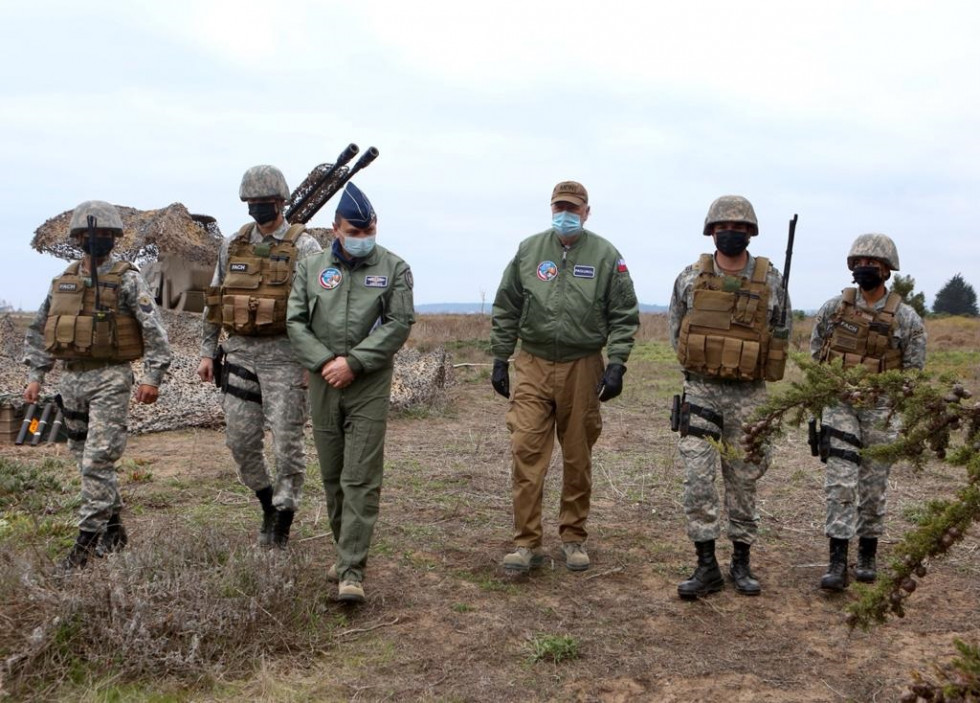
(500, 379)
(611, 384)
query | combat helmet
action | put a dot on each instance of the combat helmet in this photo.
(874, 246)
(106, 217)
(731, 208)
(263, 181)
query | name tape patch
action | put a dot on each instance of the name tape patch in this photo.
(376, 281)
(68, 287)
(581, 271)
(238, 268)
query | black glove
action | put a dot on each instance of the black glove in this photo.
(611, 384)
(500, 379)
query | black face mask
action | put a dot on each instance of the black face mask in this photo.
(731, 242)
(868, 277)
(263, 213)
(98, 246)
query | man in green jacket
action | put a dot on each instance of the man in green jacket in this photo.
(349, 312)
(566, 295)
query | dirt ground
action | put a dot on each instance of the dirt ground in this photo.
(443, 622)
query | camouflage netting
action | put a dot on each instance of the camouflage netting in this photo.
(146, 235)
(419, 380)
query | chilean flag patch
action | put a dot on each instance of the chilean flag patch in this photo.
(621, 266)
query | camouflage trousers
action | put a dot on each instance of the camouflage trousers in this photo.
(349, 427)
(856, 491)
(96, 410)
(267, 393)
(733, 403)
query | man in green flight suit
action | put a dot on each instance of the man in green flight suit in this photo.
(349, 312)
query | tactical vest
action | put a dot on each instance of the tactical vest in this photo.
(252, 299)
(76, 330)
(864, 337)
(726, 334)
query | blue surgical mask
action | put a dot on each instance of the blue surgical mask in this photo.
(566, 222)
(359, 247)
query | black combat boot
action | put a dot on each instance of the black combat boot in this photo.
(866, 571)
(707, 576)
(84, 546)
(267, 533)
(741, 573)
(836, 577)
(114, 539)
(283, 523)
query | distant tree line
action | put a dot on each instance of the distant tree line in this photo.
(956, 297)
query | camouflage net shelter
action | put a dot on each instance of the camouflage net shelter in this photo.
(420, 378)
(147, 234)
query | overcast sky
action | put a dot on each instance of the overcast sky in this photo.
(859, 116)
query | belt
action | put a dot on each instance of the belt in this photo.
(90, 364)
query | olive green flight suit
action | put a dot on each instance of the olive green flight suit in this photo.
(362, 311)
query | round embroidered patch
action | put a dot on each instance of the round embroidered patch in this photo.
(330, 278)
(547, 270)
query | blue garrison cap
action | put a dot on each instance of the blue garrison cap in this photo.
(355, 207)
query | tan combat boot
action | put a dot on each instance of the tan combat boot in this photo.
(576, 558)
(523, 559)
(350, 591)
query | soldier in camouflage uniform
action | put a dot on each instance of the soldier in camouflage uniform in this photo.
(263, 382)
(729, 325)
(871, 327)
(350, 312)
(96, 332)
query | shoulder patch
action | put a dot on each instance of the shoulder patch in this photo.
(146, 305)
(621, 266)
(409, 279)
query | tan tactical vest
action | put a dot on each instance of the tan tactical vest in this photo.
(727, 333)
(76, 330)
(863, 337)
(252, 300)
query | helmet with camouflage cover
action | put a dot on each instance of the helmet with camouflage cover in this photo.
(263, 181)
(731, 208)
(105, 214)
(874, 246)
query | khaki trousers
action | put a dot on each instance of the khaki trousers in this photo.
(553, 396)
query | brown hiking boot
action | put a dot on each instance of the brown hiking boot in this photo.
(332, 575)
(576, 558)
(350, 591)
(523, 559)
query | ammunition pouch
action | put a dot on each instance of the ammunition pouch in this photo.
(827, 450)
(726, 332)
(252, 298)
(862, 338)
(75, 329)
